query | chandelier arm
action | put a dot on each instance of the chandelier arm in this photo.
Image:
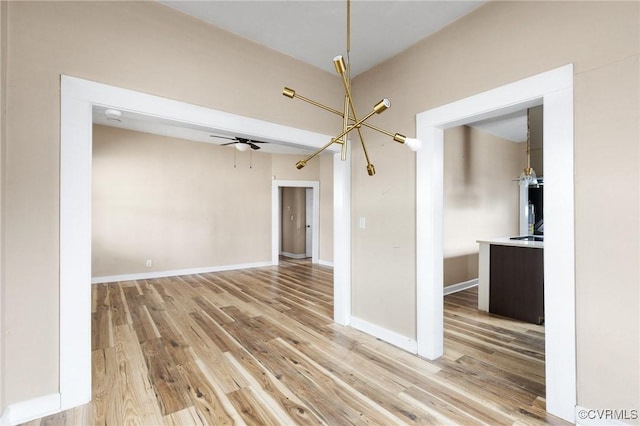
(303, 163)
(347, 89)
(378, 129)
(336, 112)
(318, 104)
(348, 94)
(356, 125)
(364, 148)
(345, 125)
(348, 26)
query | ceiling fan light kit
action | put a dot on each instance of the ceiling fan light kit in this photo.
(350, 118)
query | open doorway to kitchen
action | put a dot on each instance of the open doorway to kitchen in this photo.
(482, 162)
(554, 90)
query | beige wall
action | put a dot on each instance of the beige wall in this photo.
(138, 45)
(294, 222)
(283, 168)
(179, 203)
(3, 140)
(536, 125)
(488, 48)
(480, 196)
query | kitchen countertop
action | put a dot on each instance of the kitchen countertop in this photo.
(505, 241)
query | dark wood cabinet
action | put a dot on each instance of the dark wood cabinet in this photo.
(517, 283)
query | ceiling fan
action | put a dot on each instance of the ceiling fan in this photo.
(242, 144)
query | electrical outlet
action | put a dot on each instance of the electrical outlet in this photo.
(149, 263)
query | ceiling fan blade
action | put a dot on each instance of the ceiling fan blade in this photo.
(245, 140)
(224, 137)
(235, 140)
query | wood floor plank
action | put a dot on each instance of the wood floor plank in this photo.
(278, 395)
(203, 394)
(101, 320)
(441, 411)
(251, 409)
(213, 311)
(370, 411)
(119, 314)
(107, 394)
(188, 416)
(139, 404)
(167, 381)
(258, 346)
(216, 334)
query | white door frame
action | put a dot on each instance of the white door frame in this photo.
(310, 222)
(78, 96)
(554, 89)
(276, 216)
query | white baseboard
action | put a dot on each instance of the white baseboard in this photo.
(293, 255)
(454, 288)
(391, 337)
(325, 263)
(587, 416)
(176, 272)
(31, 409)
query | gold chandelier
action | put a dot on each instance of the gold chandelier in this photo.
(350, 119)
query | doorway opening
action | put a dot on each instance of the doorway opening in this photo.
(302, 199)
(554, 90)
(78, 97)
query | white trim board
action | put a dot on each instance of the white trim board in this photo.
(176, 272)
(293, 255)
(25, 411)
(553, 89)
(391, 337)
(454, 288)
(77, 98)
(342, 239)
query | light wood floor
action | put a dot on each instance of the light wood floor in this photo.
(258, 347)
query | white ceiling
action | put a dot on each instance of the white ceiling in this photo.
(512, 126)
(314, 31)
